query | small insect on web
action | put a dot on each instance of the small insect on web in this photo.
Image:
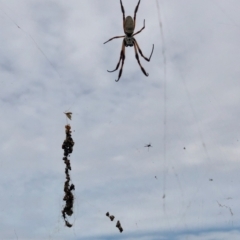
(128, 27)
(148, 146)
(69, 115)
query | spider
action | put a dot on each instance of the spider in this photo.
(128, 27)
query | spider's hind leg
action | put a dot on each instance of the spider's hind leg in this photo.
(135, 13)
(140, 29)
(123, 12)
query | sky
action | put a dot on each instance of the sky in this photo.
(53, 60)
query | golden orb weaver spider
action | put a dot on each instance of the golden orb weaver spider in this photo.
(128, 27)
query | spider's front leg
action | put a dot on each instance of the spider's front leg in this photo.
(122, 57)
(140, 51)
(137, 57)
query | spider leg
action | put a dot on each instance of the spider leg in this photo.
(140, 29)
(140, 51)
(120, 71)
(135, 13)
(137, 57)
(113, 38)
(122, 57)
(123, 12)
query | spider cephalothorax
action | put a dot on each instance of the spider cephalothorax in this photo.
(129, 41)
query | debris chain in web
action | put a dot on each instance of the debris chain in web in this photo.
(68, 188)
(110, 216)
(118, 225)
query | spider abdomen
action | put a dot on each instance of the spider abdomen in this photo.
(129, 25)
